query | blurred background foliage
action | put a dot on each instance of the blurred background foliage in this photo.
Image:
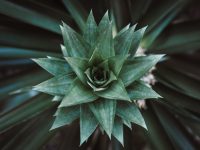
(30, 29)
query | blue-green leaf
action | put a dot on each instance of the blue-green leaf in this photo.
(65, 116)
(105, 43)
(115, 91)
(91, 31)
(116, 63)
(130, 112)
(79, 66)
(123, 41)
(88, 123)
(58, 85)
(118, 130)
(54, 66)
(104, 111)
(75, 45)
(138, 91)
(136, 67)
(78, 94)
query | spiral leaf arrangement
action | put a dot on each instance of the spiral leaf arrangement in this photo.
(98, 78)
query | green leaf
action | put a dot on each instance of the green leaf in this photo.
(11, 52)
(116, 63)
(135, 68)
(32, 135)
(130, 112)
(104, 23)
(57, 98)
(95, 58)
(104, 111)
(79, 65)
(173, 40)
(91, 31)
(15, 37)
(23, 80)
(77, 12)
(123, 41)
(115, 91)
(64, 51)
(158, 19)
(58, 85)
(118, 130)
(172, 127)
(127, 123)
(186, 85)
(155, 130)
(26, 111)
(105, 43)
(65, 116)
(123, 30)
(54, 66)
(78, 94)
(138, 91)
(137, 37)
(29, 16)
(88, 123)
(75, 45)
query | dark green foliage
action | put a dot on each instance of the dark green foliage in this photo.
(30, 29)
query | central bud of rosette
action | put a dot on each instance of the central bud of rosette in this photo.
(99, 76)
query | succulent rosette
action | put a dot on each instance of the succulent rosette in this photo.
(98, 79)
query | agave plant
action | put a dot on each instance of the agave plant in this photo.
(30, 29)
(99, 79)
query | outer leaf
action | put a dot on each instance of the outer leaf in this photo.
(115, 91)
(118, 130)
(172, 128)
(77, 11)
(75, 45)
(105, 43)
(122, 42)
(65, 116)
(158, 19)
(54, 66)
(29, 16)
(25, 112)
(32, 135)
(88, 123)
(79, 65)
(130, 112)
(138, 90)
(10, 52)
(104, 111)
(78, 94)
(91, 31)
(135, 68)
(116, 63)
(59, 85)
